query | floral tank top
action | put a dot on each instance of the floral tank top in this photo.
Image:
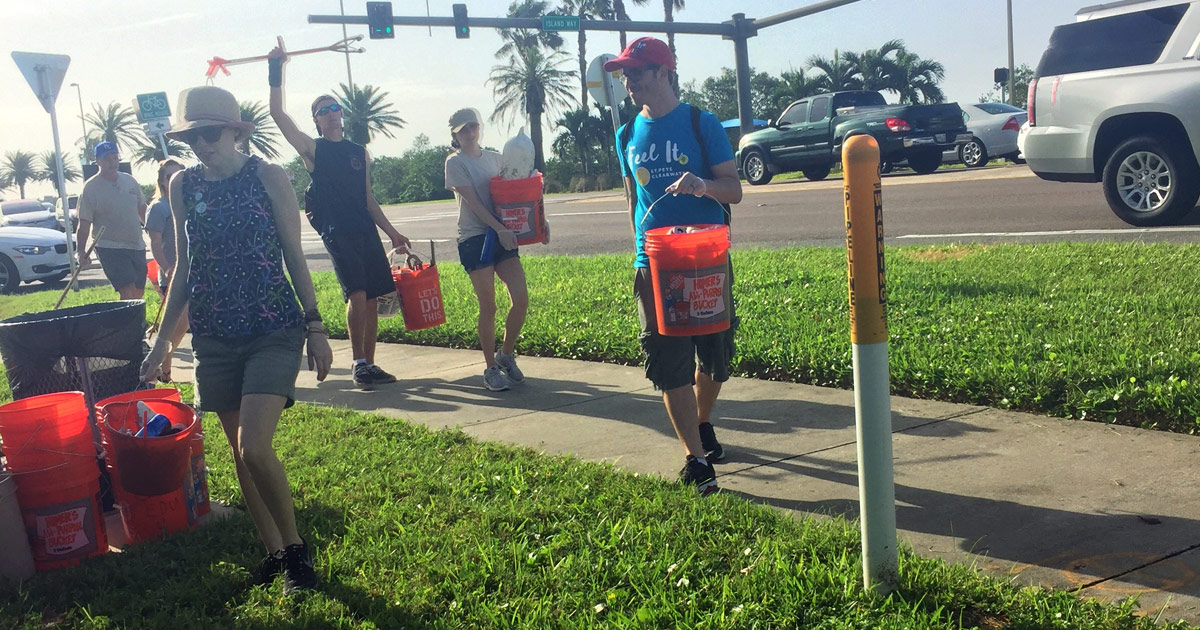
(236, 283)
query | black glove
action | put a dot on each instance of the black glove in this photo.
(275, 72)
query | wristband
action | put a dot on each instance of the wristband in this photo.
(275, 72)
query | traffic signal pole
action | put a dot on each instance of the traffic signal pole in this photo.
(739, 29)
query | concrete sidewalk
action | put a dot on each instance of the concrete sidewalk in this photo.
(1060, 503)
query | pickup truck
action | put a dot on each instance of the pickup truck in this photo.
(808, 135)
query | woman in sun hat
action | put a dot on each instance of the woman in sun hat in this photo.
(237, 223)
(469, 171)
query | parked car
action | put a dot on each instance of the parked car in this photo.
(1114, 100)
(30, 253)
(26, 213)
(994, 128)
(1021, 135)
(809, 133)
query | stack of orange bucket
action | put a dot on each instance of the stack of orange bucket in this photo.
(151, 504)
(48, 444)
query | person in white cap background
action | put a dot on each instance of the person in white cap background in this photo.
(114, 200)
(343, 210)
(469, 170)
(237, 223)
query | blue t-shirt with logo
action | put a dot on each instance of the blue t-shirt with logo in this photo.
(659, 152)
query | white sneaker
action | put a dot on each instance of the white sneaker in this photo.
(494, 379)
(508, 363)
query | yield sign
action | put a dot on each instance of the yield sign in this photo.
(44, 73)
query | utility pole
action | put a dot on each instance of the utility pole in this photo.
(1012, 99)
(83, 152)
(350, 77)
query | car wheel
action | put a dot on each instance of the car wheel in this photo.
(973, 154)
(925, 162)
(886, 166)
(755, 168)
(10, 278)
(816, 173)
(1150, 182)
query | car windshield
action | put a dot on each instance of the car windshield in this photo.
(21, 207)
(999, 108)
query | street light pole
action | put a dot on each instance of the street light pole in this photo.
(83, 127)
(350, 77)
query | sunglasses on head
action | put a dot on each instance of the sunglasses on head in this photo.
(328, 108)
(210, 134)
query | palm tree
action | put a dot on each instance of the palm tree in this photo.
(114, 123)
(49, 168)
(518, 38)
(17, 169)
(586, 10)
(619, 10)
(917, 79)
(531, 83)
(576, 127)
(836, 73)
(367, 113)
(669, 9)
(149, 150)
(263, 139)
(876, 69)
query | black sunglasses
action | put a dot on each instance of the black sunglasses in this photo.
(328, 108)
(210, 134)
(635, 74)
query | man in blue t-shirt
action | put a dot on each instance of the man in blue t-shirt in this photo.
(666, 168)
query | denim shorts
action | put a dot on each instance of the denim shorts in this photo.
(471, 250)
(671, 361)
(228, 368)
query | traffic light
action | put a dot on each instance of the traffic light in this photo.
(1000, 75)
(461, 30)
(379, 20)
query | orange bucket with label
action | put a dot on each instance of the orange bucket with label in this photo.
(149, 466)
(61, 509)
(689, 273)
(519, 206)
(420, 292)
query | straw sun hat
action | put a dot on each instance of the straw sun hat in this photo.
(208, 106)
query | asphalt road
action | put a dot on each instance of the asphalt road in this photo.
(995, 204)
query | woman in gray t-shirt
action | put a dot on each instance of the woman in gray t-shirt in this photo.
(485, 248)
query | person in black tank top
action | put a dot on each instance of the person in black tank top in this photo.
(341, 208)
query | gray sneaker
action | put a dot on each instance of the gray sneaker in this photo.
(508, 363)
(494, 379)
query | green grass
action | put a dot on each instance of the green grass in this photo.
(422, 529)
(1098, 331)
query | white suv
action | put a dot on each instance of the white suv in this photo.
(1116, 99)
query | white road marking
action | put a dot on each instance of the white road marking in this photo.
(1058, 232)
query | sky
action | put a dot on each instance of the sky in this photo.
(122, 48)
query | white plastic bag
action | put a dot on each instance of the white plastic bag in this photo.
(516, 161)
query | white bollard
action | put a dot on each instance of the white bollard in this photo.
(868, 335)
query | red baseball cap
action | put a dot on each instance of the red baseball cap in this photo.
(643, 51)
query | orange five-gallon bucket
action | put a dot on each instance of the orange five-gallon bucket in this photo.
(149, 466)
(689, 271)
(420, 292)
(518, 204)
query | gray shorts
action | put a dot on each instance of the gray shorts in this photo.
(123, 267)
(671, 361)
(228, 368)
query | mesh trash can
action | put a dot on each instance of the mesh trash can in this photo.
(96, 349)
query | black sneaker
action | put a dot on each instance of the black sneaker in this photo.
(700, 475)
(713, 451)
(362, 377)
(271, 565)
(379, 376)
(298, 573)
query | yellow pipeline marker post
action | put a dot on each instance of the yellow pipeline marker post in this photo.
(869, 338)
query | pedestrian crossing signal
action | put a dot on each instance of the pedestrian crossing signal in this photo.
(379, 20)
(461, 30)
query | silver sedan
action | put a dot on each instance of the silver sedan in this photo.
(994, 128)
